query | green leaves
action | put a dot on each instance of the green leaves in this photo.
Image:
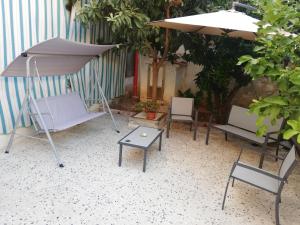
(278, 59)
(276, 100)
(243, 59)
(289, 134)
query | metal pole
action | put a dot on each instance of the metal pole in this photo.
(238, 4)
(11, 139)
(10, 142)
(105, 103)
(46, 131)
(98, 82)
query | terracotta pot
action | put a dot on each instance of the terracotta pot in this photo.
(151, 115)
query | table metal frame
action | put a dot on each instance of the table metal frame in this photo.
(159, 135)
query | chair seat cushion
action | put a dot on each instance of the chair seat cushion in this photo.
(76, 121)
(256, 178)
(182, 118)
(242, 133)
(63, 111)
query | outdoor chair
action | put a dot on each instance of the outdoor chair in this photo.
(263, 179)
(182, 109)
(243, 125)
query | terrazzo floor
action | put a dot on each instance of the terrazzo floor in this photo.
(183, 184)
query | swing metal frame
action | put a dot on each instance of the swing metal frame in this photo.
(29, 98)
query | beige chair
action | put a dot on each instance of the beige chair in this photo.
(243, 125)
(263, 179)
(182, 109)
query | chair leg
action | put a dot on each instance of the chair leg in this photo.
(261, 161)
(224, 198)
(226, 136)
(277, 209)
(207, 135)
(195, 130)
(168, 128)
(233, 182)
(277, 151)
(262, 157)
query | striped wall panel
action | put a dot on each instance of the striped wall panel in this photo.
(24, 23)
(111, 65)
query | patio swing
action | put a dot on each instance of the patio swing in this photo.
(56, 113)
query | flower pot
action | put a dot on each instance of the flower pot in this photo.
(151, 115)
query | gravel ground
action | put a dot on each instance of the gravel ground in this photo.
(183, 184)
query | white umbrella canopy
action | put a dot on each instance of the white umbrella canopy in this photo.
(55, 57)
(233, 23)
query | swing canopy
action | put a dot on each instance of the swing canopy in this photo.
(55, 57)
(55, 113)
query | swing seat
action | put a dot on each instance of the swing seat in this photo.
(62, 112)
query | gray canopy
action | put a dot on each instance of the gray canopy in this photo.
(55, 57)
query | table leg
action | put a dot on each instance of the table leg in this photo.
(145, 159)
(160, 137)
(120, 154)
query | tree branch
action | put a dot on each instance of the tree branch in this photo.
(167, 34)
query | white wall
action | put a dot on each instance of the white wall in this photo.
(177, 77)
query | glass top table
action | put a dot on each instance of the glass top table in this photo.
(141, 137)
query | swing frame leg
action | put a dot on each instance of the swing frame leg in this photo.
(13, 133)
(103, 99)
(47, 132)
(109, 111)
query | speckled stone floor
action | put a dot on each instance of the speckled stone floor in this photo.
(183, 184)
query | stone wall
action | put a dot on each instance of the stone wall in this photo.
(255, 89)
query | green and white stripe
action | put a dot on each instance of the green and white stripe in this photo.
(24, 23)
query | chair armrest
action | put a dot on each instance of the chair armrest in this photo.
(268, 134)
(258, 170)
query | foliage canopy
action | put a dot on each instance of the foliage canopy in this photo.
(129, 22)
(278, 58)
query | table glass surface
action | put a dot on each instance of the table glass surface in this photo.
(142, 136)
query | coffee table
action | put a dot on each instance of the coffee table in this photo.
(141, 137)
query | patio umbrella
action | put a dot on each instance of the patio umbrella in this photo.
(233, 23)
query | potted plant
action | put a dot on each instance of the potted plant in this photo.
(149, 107)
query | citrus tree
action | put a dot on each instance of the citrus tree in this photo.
(221, 77)
(278, 58)
(129, 20)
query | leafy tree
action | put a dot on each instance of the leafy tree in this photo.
(129, 23)
(220, 78)
(278, 58)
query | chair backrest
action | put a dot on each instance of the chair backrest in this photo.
(288, 164)
(240, 117)
(63, 108)
(182, 106)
